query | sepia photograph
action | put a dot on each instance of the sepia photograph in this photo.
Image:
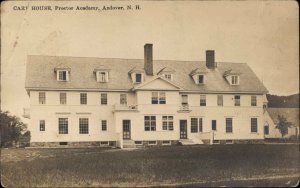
(149, 93)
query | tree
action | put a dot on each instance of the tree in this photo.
(283, 125)
(11, 129)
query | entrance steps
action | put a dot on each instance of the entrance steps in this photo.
(128, 144)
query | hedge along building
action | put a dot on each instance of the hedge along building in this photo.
(130, 102)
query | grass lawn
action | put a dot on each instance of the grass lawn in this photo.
(174, 165)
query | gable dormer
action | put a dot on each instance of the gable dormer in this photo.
(137, 75)
(62, 73)
(232, 77)
(167, 73)
(199, 75)
(102, 73)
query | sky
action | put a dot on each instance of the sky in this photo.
(263, 34)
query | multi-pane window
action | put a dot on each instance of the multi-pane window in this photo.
(220, 100)
(42, 98)
(83, 98)
(237, 100)
(62, 75)
(168, 76)
(158, 98)
(184, 99)
(266, 130)
(201, 79)
(253, 101)
(138, 78)
(254, 125)
(202, 100)
(123, 99)
(104, 125)
(63, 125)
(234, 80)
(196, 124)
(83, 126)
(63, 98)
(102, 76)
(150, 123)
(104, 98)
(42, 125)
(213, 125)
(228, 125)
(167, 123)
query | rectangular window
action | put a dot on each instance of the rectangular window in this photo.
(168, 76)
(123, 99)
(102, 76)
(254, 125)
(162, 98)
(200, 125)
(194, 125)
(234, 80)
(201, 79)
(253, 100)
(154, 98)
(42, 97)
(104, 98)
(167, 123)
(237, 100)
(184, 99)
(83, 126)
(158, 98)
(266, 130)
(138, 78)
(62, 75)
(150, 123)
(104, 125)
(228, 125)
(220, 100)
(202, 100)
(213, 125)
(42, 125)
(83, 98)
(63, 125)
(63, 98)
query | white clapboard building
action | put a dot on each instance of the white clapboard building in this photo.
(83, 101)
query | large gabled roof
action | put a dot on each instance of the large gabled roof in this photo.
(40, 74)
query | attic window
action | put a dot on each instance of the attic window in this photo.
(201, 79)
(102, 76)
(138, 78)
(62, 75)
(168, 76)
(234, 80)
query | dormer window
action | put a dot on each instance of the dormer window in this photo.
(234, 80)
(62, 75)
(138, 78)
(102, 76)
(168, 76)
(167, 72)
(198, 75)
(137, 75)
(200, 79)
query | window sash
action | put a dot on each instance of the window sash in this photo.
(62, 75)
(42, 98)
(138, 78)
(63, 98)
(63, 125)
(228, 125)
(162, 98)
(254, 125)
(150, 123)
(42, 125)
(167, 123)
(184, 99)
(194, 125)
(202, 100)
(234, 80)
(168, 76)
(200, 79)
(266, 130)
(104, 98)
(83, 126)
(214, 125)
(154, 98)
(253, 101)
(237, 100)
(123, 99)
(220, 100)
(104, 125)
(83, 98)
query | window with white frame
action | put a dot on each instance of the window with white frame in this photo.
(228, 125)
(62, 75)
(83, 126)
(63, 98)
(253, 101)
(123, 99)
(234, 80)
(167, 123)
(83, 98)
(184, 100)
(237, 100)
(168, 76)
(63, 125)
(102, 76)
(150, 123)
(196, 125)
(42, 125)
(42, 98)
(220, 100)
(158, 98)
(138, 77)
(253, 125)
(201, 79)
(104, 125)
(202, 100)
(104, 98)
(266, 129)
(214, 125)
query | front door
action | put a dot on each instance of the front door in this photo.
(126, 129)
(183, 129)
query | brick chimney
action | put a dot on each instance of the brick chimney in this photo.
(210, 59)
(148, 59)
